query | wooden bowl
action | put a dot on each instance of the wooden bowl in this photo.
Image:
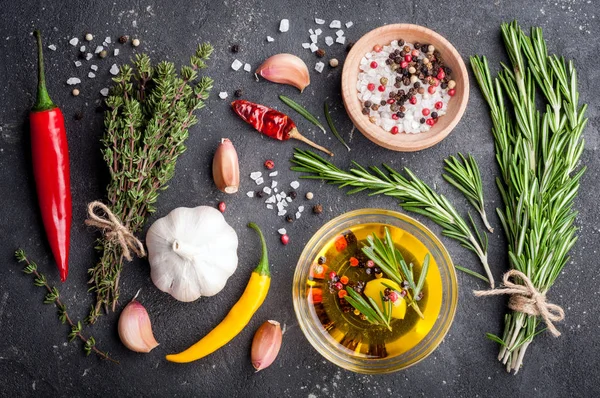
(411, 33)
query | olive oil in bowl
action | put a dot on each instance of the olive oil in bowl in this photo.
(340, 264)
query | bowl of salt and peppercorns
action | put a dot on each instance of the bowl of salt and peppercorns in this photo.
(405, 87)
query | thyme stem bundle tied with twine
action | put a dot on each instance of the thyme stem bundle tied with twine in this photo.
(150, 110)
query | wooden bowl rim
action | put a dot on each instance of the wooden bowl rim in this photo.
(401, 142)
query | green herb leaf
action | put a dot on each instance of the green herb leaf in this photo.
(302, 111)
(332, 126)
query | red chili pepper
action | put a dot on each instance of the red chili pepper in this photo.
(271, 123)
(50, 154)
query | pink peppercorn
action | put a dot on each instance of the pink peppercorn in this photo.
(285, 239)
(393, 296)
(430, 122)
(222, 206)
(439, 105)
(390, 101)
(451, 92)
(377, 48)
(370, 86)
(413, 100)
(394, 130)
(381, 88)
(431, 89)
(338, 286)
(395, 116)
(414, 53)
(404, 64)
(426, 111)
(441, 74)
(373, 64)
(332, 274)
(370, 264)
(408, 57)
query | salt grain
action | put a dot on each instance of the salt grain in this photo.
(236, 65)
(319, 66)
(268, 191)
(298, 214)
(108, 39)
(306, 45)
(91, 75)
(88, 56)
(254, 175)
(275, 190)
(52, 47)
(339, 33)
(281, 212)
(270, 207)
(289, 199)
(74, 41)
(283, 194)
(341, 40)
(273, 184)
(311, 32)
(349, 24)
(223, 94)
(300, 209)
(319, 21)
(250, 194)
(104, 91)
(259, 181)
(247, 67)
(114, 69)
(94, 67)
(294, 184)
(284, 25)
(313, 47)
(78, 63)
(116, 52)
(82, 49)
(98, 49)
(314, 38)
(329, 40)
(282, 231)
(73, 80)
(270, 39)
(318, 32)
(335, 24)
(273, 174)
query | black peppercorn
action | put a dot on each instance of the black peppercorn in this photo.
(235, 48)
(383, 102)
(260, 194)
(320, 53)
(317, 209)
(389, 61)
(365, 111)
(417, 85)
(238, 93)
(398, 84)
(78, 115)
(292, 194)
(375, 107)
(417, 45)
(368, 104)
(444, 85)
(422, 120)
(434, 115)
(322, 260)
(401, 42)
(289, 218)
(400, 115)
(123, 39)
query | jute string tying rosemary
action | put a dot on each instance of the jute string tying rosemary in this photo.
(114, 230)
(527, 299)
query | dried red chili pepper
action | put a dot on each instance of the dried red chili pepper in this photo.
(271, 123)
(50, 154)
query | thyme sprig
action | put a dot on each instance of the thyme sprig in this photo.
(464, 174)
(414, 195)
(538, 154)
(150, 110)
(53, 297)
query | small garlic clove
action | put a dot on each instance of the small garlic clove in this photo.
(225, 167)
(266, 345)
(135, 329)
(285, 69)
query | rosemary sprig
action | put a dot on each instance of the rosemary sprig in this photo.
(53, 297)
(332, 126)
(538, 154)
(150, 111)
(414, 195)
(370, 309)
(464, 174)
(302, 111)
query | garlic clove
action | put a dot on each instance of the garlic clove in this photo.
(285, 69)
(266, 345)
(135, 329)
(225, 167)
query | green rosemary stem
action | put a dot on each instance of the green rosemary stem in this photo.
(53, 297)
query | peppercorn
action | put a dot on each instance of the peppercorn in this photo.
(285, 239)
(434, 115)
(320, 53)
(403, 293)
(103, 54)
(75, 92)
(387, 291)
(333, 62)
(422, 120)
(123, 39)
(269, 164)
(356, 312)
(89, 37)
(365, 111)
(309, 196)
(394, 107)
(78, 115)
(444, 86)
(375, 107)
(289, 218)
(135, 42)
(292, 194)
(260, 194)
(383, 81)
(222, 206)
(451, 84)
(238, 93)
(317, 209)
(383, 102)
(389, 61)
(235, 48)
(417, 45)
(421, 90)
(322, 260)
(368, 271)
(346, 309)
(400, 115)
(400, 42)
(372, 119)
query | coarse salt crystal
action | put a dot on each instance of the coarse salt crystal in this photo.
(313, 47)
(314, 38)
(319, 21)
(335, 24)
(294, 184)
(284, 203)
(298, 214)
(273, 184)
(306, 45)
(236, 65)
(273, 174)
(94, 67)
(339, 33)
(250, 194)
(114, 69)
(223, 94)
(349, 24)
(281, 212)
(88, 56)
(105, 44)
(275, 190)
(278, 197)
(319, 66)
(98, 49)
(247, 67)
(73, 80)
(340, 40)
(104, 91)
(329, 40)
(300, 209)
(318, 32)
(270, 207)
(284, 25)
(282, 231)
(254, 175)
(267, 190)
(116, 52)
(283, 194)
(82, 49)
(289, 199)
(259, 181)
(91, 75)
(108, 39)
(78, 63)
(74, 41)
(311, 32)
(52, 47)
(270, 39)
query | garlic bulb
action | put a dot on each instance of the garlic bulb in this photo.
(192, 252)
(135, 329)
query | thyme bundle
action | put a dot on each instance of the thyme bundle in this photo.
(150, 110)
(538, 153)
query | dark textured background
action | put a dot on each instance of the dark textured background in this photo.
(34, 357)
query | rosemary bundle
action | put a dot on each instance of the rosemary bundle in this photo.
(414, 195)
(538, 154)
(150, 109)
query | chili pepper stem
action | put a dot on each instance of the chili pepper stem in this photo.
(43, 102)
(294, 133)
(263, 266)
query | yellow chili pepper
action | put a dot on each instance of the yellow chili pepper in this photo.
(238, 317)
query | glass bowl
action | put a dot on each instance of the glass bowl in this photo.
(324, 343)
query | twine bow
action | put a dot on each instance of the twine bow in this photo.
(527, 299)
(114, 231)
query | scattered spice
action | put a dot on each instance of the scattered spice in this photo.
(103, 54)
(289, 218)
(238, 93)
(222, 206)
(309, 195)
(269, 164)
(235, 48)
(318, 209)
(285, 239)
(333, 62)
(135, 42)
(75, 92)
(89, 37)
(123, 39)
(320, 53)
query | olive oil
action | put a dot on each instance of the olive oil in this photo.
(346, 326)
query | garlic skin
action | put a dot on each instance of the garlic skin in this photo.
(285, 69)
(266, 345)
(192, 252)
(226, 168)
(135, 329)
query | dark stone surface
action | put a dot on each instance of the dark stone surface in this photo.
(34, 357)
